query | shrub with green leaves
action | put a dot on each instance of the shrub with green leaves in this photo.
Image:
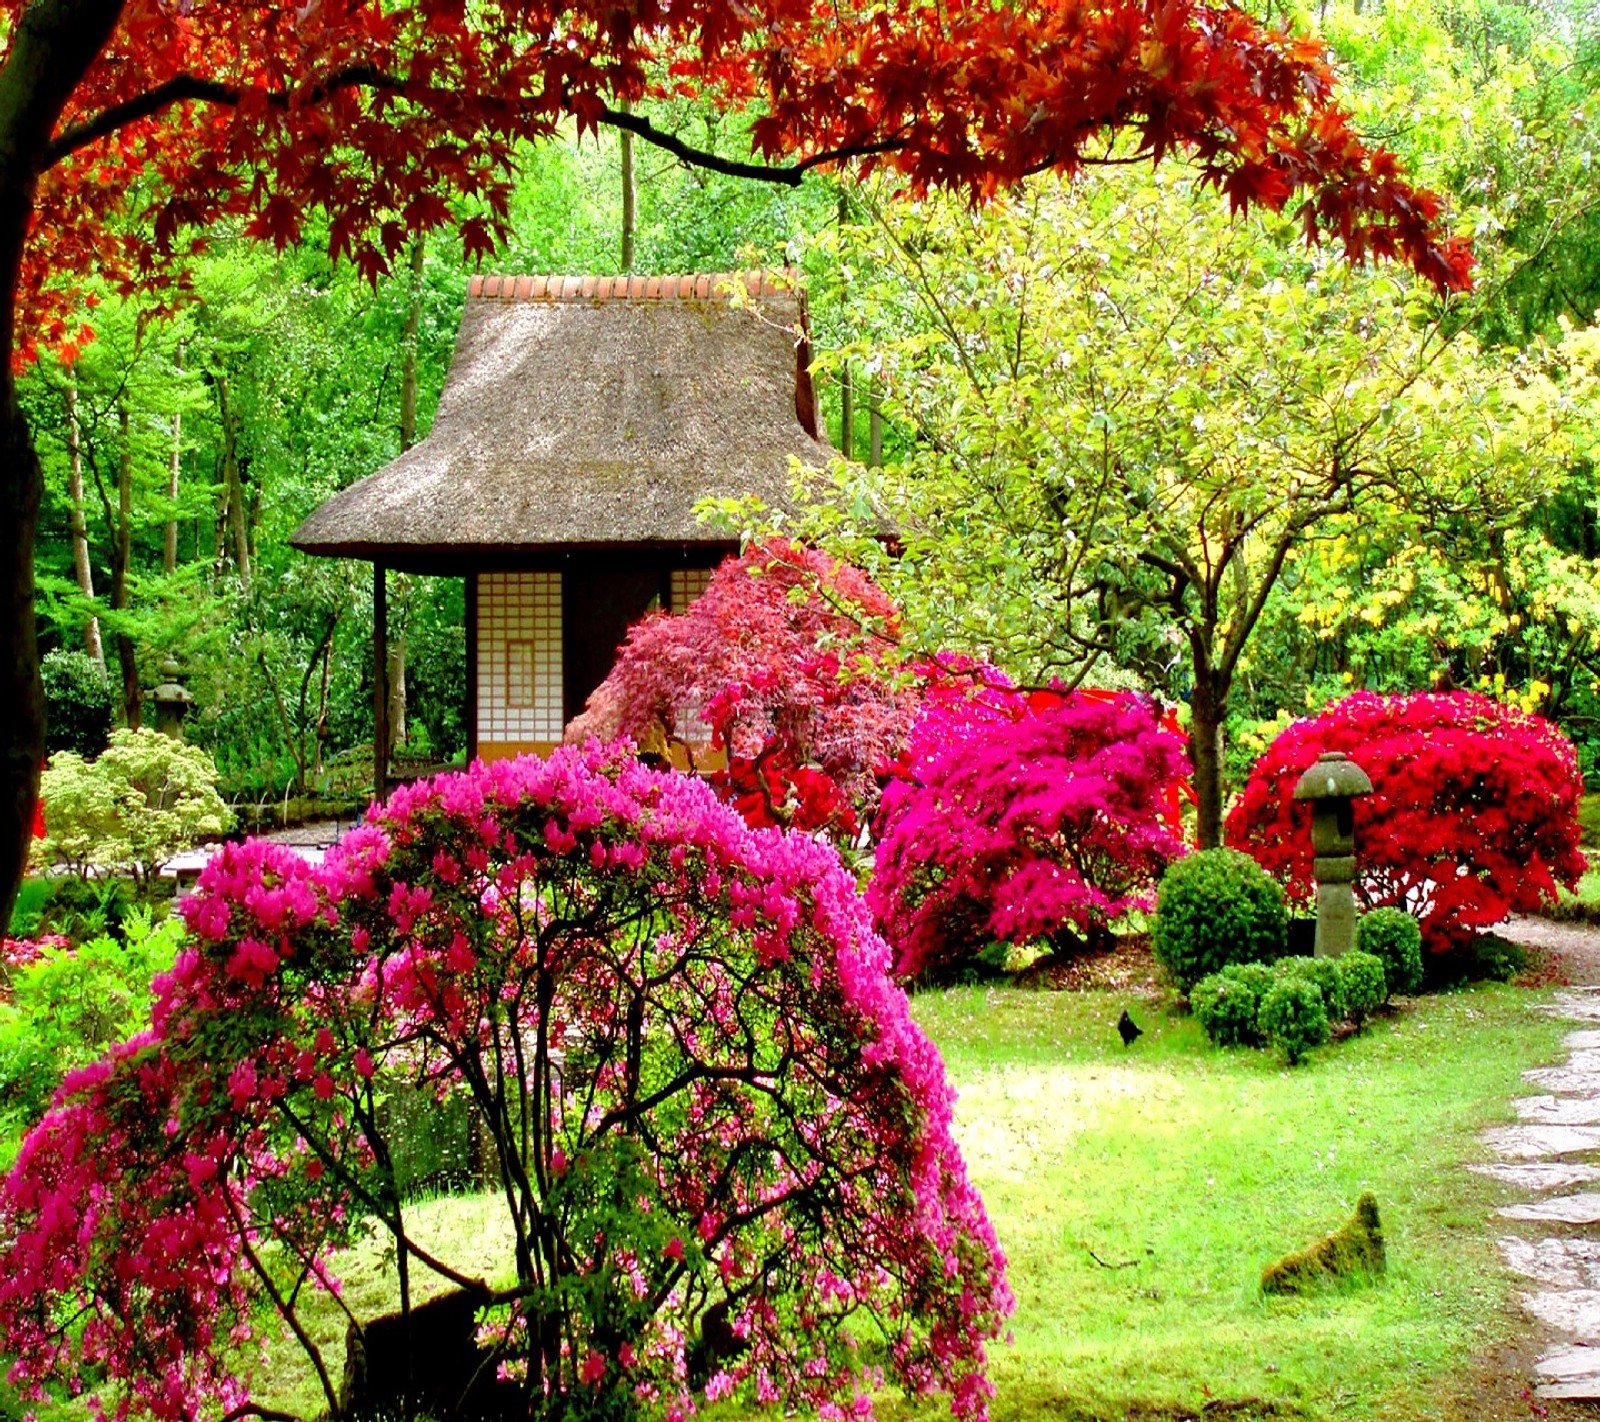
(1214, 908)
(61, 1006)
(1362, 980)
(1324, 972)
(1258, 977)
(77, 703)
(1394, 937)
(144, 799)
(1293, 1017)
(1226, 1009)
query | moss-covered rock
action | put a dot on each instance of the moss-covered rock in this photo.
(1354, 1251)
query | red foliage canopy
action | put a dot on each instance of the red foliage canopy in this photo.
(380, 113)
(1473, 815)
(779, 666)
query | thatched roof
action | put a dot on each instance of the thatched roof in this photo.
(587, 413)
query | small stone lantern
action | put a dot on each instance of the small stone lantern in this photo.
(172, 701)
(1332, 785)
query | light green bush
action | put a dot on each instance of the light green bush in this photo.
(1392, 936)
(144, 799)
(1214, 908)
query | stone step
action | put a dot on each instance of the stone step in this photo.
(1537, 1142)
(1541, 1175)
(1556, 1263)
(1580, 1209)
(1558, 1110)
(1574, 1311)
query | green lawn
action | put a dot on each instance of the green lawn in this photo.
(1194, 1167)
(1183, 1170)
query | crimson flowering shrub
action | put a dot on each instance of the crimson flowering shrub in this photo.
(1018, 816)
(779, 669)
(1473, 815)
(703, 1090)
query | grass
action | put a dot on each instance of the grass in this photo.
(1185, 1170)
(1139, 1193)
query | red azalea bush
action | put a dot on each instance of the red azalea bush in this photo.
(780, 668)
(1021, 816)
(1473, 815)
(702, 1090)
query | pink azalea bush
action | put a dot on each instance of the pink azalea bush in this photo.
(781, 670)
(1017, 816)
(680, 1035)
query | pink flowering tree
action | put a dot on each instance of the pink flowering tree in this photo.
(1021, 816)
(780, 670)
(703, 1091)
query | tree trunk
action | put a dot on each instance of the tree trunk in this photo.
(51, 45)
(408, 437)
(232, 485)
(1208, 707)
(169, 558)
(630, 196)
(80, 524)
(127, 653)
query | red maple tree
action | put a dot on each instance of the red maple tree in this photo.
(127, 124)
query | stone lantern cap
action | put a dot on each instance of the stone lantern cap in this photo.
(169, 690)
(1334, 777)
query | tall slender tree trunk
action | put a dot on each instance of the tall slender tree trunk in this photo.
(51, 45)
(630, 196)
(169, 557)
(232, 484)
(402, 588)
(127, 653)
(80, 524)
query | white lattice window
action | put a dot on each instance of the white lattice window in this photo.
(519, 657)
(687, 585)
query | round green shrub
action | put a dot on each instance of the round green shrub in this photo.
(1292, 1015)
(1392, 936)
(1324, 972)
(77, 704)
(1361, 978)
(1214, 908)
(1226, 1009)
(1258, 977)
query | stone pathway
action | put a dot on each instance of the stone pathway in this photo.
(1554, 1155)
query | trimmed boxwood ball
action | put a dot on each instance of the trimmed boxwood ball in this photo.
(1362, 980)
(1392, 936)
(1226, 1009)
(1258, 977)
(1324, 972)
(1293, 1017)
(1216, 907)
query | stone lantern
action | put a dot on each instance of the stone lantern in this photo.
(172, 701)
(1332, 785)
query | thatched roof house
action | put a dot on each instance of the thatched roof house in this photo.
(588, 413)
(582, 420)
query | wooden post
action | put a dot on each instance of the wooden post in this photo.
(380, 681)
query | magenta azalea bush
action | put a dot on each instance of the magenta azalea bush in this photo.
(1020, 816)
(703, 1090)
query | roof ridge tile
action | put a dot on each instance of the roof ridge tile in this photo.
(698, 286)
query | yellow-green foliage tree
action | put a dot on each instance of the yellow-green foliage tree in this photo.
(1126, 417)
(145, 798)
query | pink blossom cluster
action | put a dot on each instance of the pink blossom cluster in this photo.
(703, 1090)
(1019, 816)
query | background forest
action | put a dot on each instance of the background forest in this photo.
(1381, 490)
